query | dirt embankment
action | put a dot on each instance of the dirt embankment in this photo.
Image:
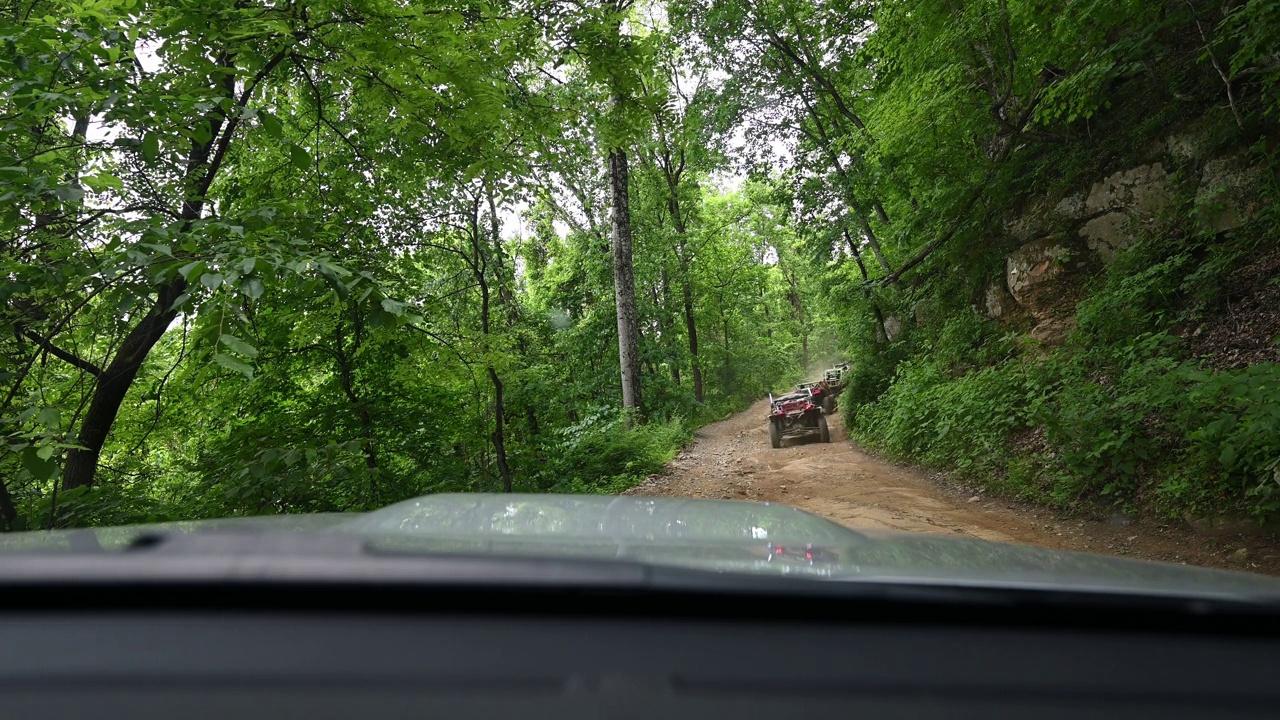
(731, 459)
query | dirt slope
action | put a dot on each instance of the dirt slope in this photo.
(731, 459)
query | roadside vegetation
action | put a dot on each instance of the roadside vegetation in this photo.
(264, 257)
(322, 256)
(1146, 382)
(1132, 412)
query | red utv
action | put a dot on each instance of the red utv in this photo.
(822, 393)
(796, 414)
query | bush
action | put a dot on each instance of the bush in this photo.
(954, 422)
(1106, 414)
(1123, 423)
(1232, 425)
(950, 407)
(601, 454)
(1139, 294)
(865, 383)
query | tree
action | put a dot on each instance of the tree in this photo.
(263, 258)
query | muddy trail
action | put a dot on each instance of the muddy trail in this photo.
(731, 459)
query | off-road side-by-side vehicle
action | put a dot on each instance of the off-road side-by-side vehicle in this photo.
(821, 393)
(794, 415)
(832, 384)
(836, 376)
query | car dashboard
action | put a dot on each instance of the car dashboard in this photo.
(255, 650)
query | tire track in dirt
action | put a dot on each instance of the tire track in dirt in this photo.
(731, 459)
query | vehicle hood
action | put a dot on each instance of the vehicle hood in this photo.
(738, 537)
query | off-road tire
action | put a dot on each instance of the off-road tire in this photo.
(823, 431)
(775, 434)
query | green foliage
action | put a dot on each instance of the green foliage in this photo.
(324, 222)
(1118, 416)
(1246, 34)
(602, 454)
(1141, 291)
(295, 227)
(959, 422)
(1234, 432)
(923, 132)
(1120, 424)
(1105, 418)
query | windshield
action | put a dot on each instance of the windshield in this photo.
(987, 271)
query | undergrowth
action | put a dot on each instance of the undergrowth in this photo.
(1119, 416)
(602, 454)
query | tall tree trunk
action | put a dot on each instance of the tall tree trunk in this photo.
(870, 235)
(880, 213)
(793, 295)
(346, 374)
(824, 140)
(203, 163)
(875, 307)
(672, 172)
(8, 513)
(479, 267)
(857, 256)
(114, 384)
(804, 331)
(727, 371)
(531, 420)
(624, 282)
(506, 296)
(768, 317)
(506, 293)
(691, 330)
(499, 439)
(856, 208)
(665, 327)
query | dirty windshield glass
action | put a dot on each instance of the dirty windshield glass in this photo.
(993, 271)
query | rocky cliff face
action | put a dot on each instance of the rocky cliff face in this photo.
(1066, 240)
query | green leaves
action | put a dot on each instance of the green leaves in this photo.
(50, 418)
(231, 363)
(193, 270)
(69, 193)
(39, 462)
(170, 211)
(150, 147)
(238, 345)
(211, 281)
(201, 132)
(271, 124)
(101, 182)
(253, 287)
(300, 158)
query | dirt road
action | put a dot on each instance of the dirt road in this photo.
(731, 459)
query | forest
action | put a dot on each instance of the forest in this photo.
(276, 256)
